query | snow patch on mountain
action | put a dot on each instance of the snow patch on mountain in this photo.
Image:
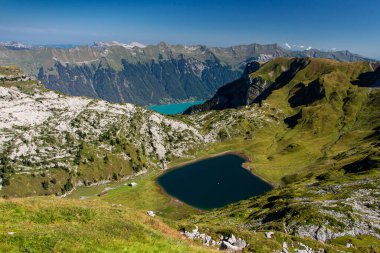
(295, 47)
(15, 45)
(131, 45)
(191, 48)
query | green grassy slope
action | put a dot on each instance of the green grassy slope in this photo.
(47, 224)
(326, 166)
(9, 71)
(335, 122)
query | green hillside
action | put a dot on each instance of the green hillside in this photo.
(325, 160)
(57, 225)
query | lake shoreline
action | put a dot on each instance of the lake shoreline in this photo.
(241, 154)
(163, 192)
(246, 159)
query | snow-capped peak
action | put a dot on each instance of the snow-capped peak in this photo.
(296, 47)
(136, 44)
(191, 48)
(14, 44)
(116, 43)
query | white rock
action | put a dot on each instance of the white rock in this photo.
(240, 243)
(228, 246)
(232, 239)
(132, 184)
(269, 234)
(285, 247)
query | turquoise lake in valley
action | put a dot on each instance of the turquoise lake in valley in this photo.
(213, 182)
(170, 109)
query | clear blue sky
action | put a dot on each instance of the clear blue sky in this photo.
(323, 24)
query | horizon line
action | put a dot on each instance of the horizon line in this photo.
(283, 46)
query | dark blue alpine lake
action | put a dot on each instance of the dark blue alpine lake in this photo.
(213, 182)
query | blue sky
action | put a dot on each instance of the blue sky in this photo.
(322, 24)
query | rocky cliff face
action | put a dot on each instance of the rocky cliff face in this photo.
(143, 75)
(141, 83)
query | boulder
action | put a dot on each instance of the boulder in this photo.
(269, 234)
(132, 184)
(228, 246)
(232, 239)
(240, 243)
(285, 247)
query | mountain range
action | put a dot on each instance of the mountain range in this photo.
(141, 74)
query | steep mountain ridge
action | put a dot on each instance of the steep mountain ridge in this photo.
(258, 82)
(143, 75)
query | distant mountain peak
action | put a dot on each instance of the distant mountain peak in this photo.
(117, 43)
(136, 44)
(295, 47)
(15, 45)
